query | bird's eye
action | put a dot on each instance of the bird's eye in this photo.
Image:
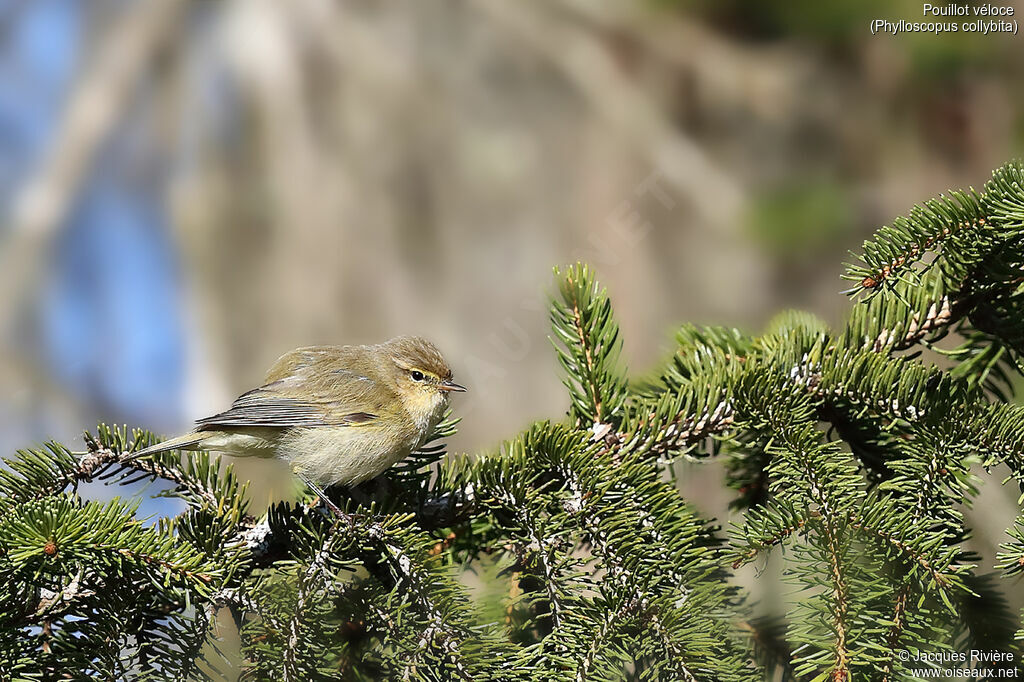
(417, 375)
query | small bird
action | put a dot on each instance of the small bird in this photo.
(335, 414)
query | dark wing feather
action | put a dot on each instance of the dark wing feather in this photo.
(275, 405)
(256, 408)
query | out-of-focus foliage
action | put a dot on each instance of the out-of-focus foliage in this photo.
(796, 221)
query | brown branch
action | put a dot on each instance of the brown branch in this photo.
(157, 561)
(841, 670)
(774, 540)
(691, 430)
(875, 279)
(898, 618)
(940, 314)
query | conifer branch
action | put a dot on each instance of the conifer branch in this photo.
(895, 249)
(940, 314)
(308, 584)
(181, 569)
(408, 576)
(588, 347)
(588, 355)
(941, 580)
(52, 601)
(98, 458)
(602, 637)
(766, 537)
(682, 431)
(542, 548)
(675, 656)
(1011, 556)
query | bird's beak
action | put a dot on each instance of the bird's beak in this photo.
(451, 386)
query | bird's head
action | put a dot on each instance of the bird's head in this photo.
(420, 374)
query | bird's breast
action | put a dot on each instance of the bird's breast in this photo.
(347, 455)
(425, 411)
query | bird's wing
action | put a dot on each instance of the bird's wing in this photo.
(262, 408)
(308, 393)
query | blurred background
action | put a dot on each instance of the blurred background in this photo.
(191, 188)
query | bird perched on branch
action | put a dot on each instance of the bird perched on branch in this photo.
(335, 414)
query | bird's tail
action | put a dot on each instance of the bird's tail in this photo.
(186, 442)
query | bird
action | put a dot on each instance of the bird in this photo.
(337, 415)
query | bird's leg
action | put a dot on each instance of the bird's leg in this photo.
(322, 495)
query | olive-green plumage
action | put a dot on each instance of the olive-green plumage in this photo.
(335, 414)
